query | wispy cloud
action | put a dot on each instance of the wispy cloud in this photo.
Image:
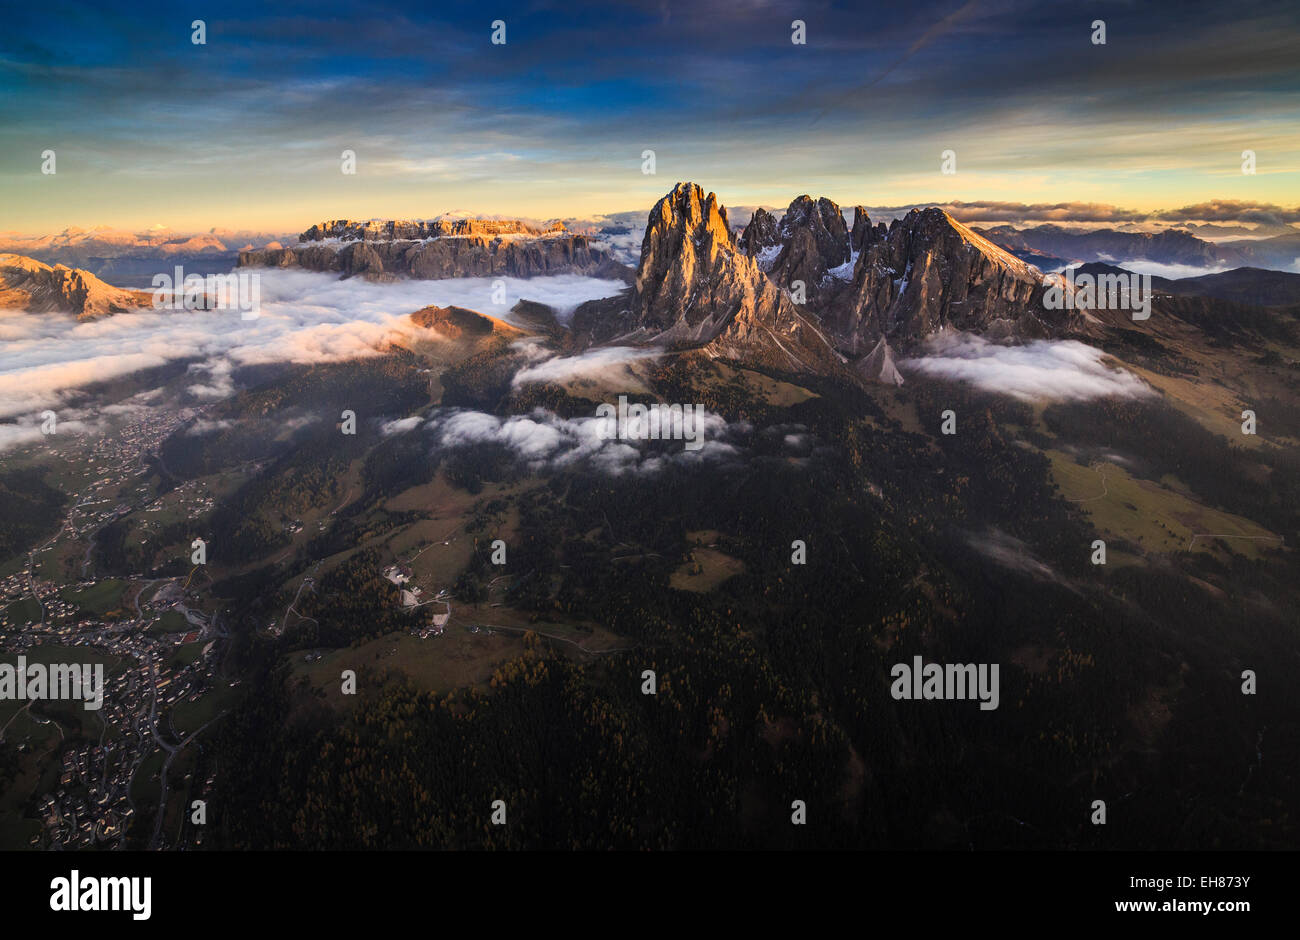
(1010, 552)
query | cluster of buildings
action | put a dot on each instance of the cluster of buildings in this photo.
(113, 461)
(84, 810)
(401, 576)
(23, 584)
(191, 496)
(89, 802)
(92, 803)
(414, 596)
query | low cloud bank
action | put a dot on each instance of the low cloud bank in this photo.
(604, 361)
(1064, 370)
(1172, 271)
(544, 440)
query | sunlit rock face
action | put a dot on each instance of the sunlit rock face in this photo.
(28, 284)
(695, 287)
(440, 248)
(931, 272)
(923, 273)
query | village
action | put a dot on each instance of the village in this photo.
(100, 769)
(152, 675)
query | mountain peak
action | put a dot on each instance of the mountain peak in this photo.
(931, 271)
(685, 255)
(688, 206)
(824, 218)
(460, 323)
(695, 287)
(31, 285)
(932, 222)
(762, 232)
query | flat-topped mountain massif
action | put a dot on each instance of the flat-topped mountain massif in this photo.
(404, 230)
(440, 248)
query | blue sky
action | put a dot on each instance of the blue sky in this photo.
(247, 130)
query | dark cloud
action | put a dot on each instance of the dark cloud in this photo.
(1232, 210)
(1219, 210)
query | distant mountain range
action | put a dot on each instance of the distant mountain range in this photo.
(135, 257)
(104, 241)
(380, 230)
(1256, 286)
(1055, 243)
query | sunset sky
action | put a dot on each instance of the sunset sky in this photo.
(247, 130)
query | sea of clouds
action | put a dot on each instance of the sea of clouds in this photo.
(311, 317)
(304, 317)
